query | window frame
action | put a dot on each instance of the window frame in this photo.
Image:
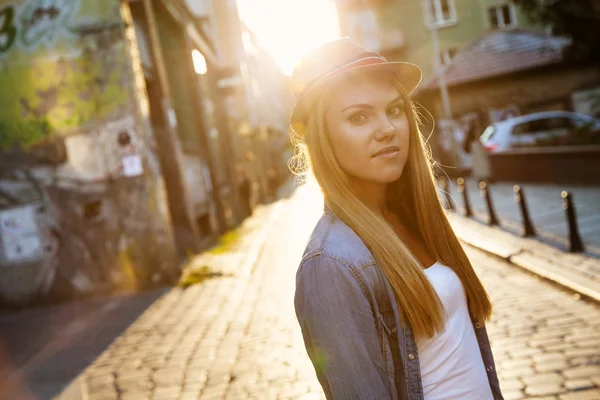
(512, 11)
(436, 6)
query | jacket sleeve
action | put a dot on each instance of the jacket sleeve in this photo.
(340, 331)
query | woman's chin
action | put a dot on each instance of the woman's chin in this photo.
(389, 175)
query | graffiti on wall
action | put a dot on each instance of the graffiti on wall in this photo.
(35, 23)
(62, 65)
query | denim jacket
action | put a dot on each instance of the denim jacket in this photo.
(352, 329)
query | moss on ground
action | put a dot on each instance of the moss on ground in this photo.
(197, 271)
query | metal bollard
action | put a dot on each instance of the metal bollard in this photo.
(448, 200)
(575, 242)
(462, 187)
(485, 193)
(528, 229)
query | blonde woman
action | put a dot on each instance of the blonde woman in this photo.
(388, 303)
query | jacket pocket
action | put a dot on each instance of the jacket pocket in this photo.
(389, 340)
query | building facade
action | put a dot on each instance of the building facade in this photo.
(256, 95)
(108, 175)
(402, 30)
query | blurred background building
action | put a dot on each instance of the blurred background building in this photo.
(126, 131)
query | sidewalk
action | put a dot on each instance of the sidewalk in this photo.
(545, 209)
(577, 272)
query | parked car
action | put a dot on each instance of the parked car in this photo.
(541, 129)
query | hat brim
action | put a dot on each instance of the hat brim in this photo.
(409, 76)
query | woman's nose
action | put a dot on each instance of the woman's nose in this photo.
(385, 130)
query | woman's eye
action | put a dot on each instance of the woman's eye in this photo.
(357, 118)
(396, 111)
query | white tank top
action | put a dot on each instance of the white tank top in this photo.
(451, 362)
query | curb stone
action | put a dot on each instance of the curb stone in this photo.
(573, 271)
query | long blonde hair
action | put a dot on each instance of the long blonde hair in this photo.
(414, 199)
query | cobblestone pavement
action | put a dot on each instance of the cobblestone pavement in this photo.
(546, 341)
(237, 337)
(545, 207)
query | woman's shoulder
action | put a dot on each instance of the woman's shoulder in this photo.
(333, 239)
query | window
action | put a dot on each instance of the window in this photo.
(559, 123)
(550, 131)
(502, 16)
(199, 61)
(447, 55)
(440, 13)
(528, 128)
(545, 125)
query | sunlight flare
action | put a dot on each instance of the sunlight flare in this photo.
(289, 28)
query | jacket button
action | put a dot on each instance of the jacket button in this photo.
(394, 329)
(411, 356)
(477, 325)
(489, 369)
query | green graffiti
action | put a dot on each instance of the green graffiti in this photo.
(8, 30)
(29, 132)
(54, 79)
(42, 21)
(62, 95)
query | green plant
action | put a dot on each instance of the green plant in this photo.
(193, 276)
(226, 242)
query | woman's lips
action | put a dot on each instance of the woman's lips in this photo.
(388, 152)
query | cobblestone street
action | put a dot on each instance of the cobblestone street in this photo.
(237, 337)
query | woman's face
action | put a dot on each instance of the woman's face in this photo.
(368, 128)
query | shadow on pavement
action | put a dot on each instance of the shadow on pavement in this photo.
(42, 350)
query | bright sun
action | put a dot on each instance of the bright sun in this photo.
(289, 28)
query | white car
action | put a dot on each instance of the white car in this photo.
(528, 130)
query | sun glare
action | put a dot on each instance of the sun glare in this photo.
(289, 28)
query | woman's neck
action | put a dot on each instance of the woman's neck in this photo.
(372, 194)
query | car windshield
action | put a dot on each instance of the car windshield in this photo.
(487, 134)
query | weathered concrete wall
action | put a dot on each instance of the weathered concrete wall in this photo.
(76, 145)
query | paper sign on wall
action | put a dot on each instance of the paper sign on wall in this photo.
(132, 165)
(20, 234)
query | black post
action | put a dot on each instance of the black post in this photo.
(528, 229)
(448, 199)
(462, 187)
(485, 193)
(575, 242)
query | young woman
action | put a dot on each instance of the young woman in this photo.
(388, 303)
